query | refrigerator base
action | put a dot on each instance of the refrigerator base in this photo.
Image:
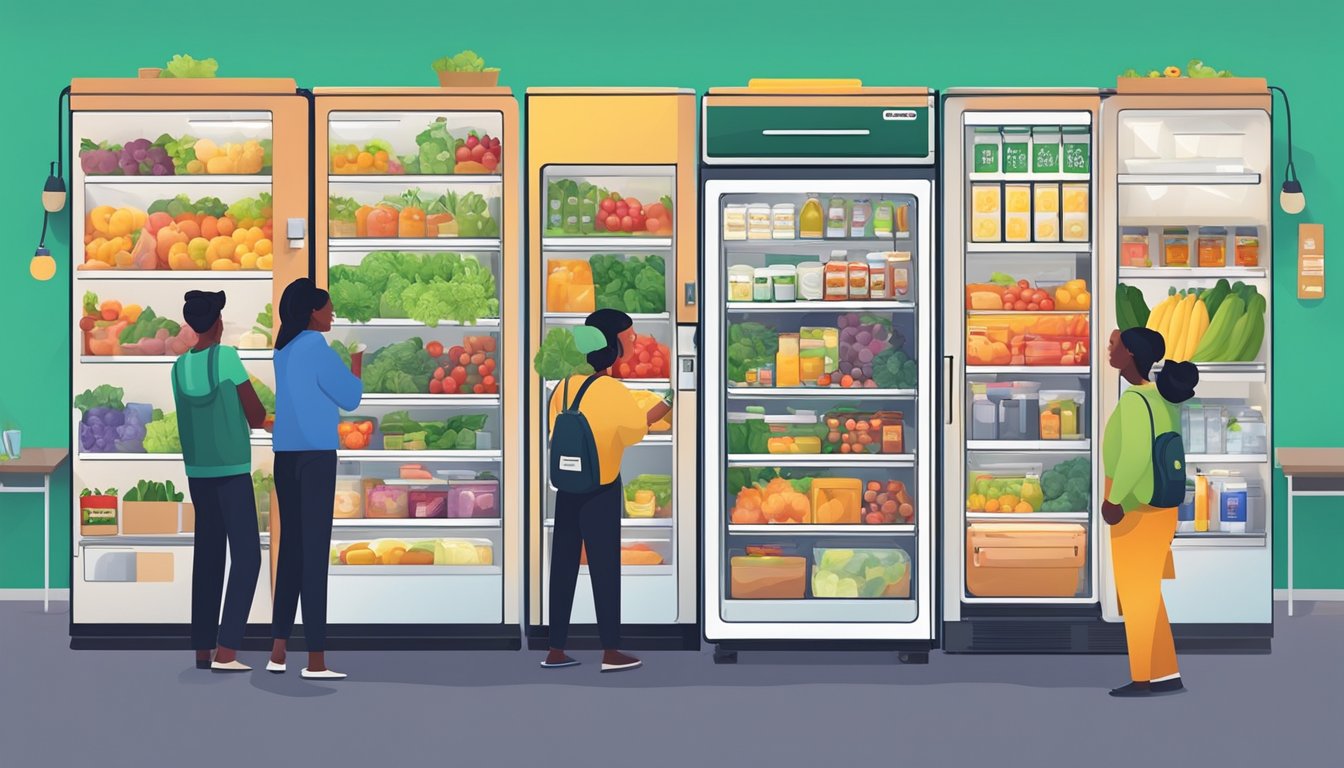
(634, 637)
(1083, 635)
(907, 652)
(340, 637)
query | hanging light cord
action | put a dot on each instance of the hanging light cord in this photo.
(60, 131)
(42, 242)
(1290, 173)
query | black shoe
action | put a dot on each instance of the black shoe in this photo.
(1166, 687)
(1132, 691)
(202, 663)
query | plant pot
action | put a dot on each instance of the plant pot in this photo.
(468, 79)
(150, 73)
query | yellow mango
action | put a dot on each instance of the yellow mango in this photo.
(248, 261)
(262, 247)
(205, 150)
(220, 165)
(98, 218)
(265, 262)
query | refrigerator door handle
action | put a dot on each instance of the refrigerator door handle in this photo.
(948, 374)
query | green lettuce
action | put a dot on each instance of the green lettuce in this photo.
(183, 65)
(559, 357)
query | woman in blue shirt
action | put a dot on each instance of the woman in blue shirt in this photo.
(312, 386)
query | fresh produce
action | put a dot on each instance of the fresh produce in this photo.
(107, 425)
(648, 401)
(855, 573)
(894, 369)
(176, 233)
(649, 496)
(193, 156)
(477, 154)
(1195, 68)
(341, 216)
(636, 285)
(437, 150)
(559, 358)
(612, 214)
(183, 65)
(1130, 309)
(646, 359)
(401, 432)
(463, 61)
(989, 493)
(429, 288)
(777, 500)
(569, 286)
(750, 345)
(376, 156)
(112, 238)
(1067, 486)
(423, 552)
(161, 434)
(113, 329)
(1225, 323)
(887, 503)
(150, 490)
(354, 434)
(862, 339)
(848, 431)
(263, 485)
(139, 157)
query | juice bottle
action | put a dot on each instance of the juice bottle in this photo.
(786, 361)
(811, 220)
(1201, 504)
(837, 218)
(884, 215)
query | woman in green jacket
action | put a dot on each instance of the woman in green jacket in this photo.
(1141, 534)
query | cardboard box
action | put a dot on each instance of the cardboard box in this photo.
(153, 566)
(188, 517)
(139, 518)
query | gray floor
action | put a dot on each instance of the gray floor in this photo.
(103, 708)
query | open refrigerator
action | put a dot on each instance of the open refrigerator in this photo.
(610, 180)
(818, 246)
(177, 185)
(416, 236)
(1023, 354)
(1186, 170)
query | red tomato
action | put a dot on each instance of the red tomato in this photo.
(449, 386)
(478, 390)
(478, 358)
(622, 208)
(489, 366)
(464, 359)
(455, 352)
(1024, 284)
(439, 373)
(627, 224)
(1048, 305)
(488, 343)
(435, 349)
(490, 161)
(656, 211)
(459, 374)
(613, 223)
(463, 154)
(608, 205)
(477, 152)
(653, 223)
(436, 386)
(488, 381)
(638, 223)
(632, 202)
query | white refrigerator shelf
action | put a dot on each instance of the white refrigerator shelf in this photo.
(418, 522)
(857, 305)
(191, 275)
(854, 460)
(803, 529)
(437, 244)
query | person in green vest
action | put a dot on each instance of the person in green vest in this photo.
(1141, 534)
(216, 406)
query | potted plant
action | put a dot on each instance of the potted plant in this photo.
(150, 73)
(465, 69)
(153, 508)
(98, 512)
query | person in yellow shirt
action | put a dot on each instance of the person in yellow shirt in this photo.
(591, 522)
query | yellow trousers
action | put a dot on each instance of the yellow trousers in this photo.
(1141, 552)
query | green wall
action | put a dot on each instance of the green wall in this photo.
(973, 42)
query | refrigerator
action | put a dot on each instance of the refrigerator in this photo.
(176, 185)
(818, 251)
(1023, 354)
(1186, 171)
(417, 237)
(611, 223)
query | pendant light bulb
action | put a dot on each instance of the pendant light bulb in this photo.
(1291, 199)
(53, 194)
(43, 266)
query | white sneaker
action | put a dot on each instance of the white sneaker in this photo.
(272, 667)
(325, 674)
(229, 666)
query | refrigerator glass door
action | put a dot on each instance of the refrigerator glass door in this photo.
(818, 444)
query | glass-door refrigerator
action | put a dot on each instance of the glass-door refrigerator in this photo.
(818, 247)
(417, 239)
(1186, 227)
(610, 222)
(177, 185)
(1021, 427)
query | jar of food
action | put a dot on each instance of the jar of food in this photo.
(759, 222)
(785, 283)
(1247, 247)
(860, 215)
(1077, 149)
(783, 221)
(858, 279)
(1060, 414)
(1016, 150)
(1045, 149)
(787, 373)
(740, 278)
(1134, 247)
(877, 276)
(349, 503)
(837, 218)
(735, 222)
(837, 277)
(1212, 247)
(985, 152)
(762, 286)
(900, 274)
(1176, 247)
(811, 281)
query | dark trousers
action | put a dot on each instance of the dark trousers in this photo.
(305, 488)
(226, 512)
(590, 522)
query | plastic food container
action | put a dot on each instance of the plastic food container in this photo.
(1057, 350)
(858, 279)
(735, 222)
(349, 504)
(1061, 414)
(784, 222)
(759, 222)
(837, 277)
(1077, 149)
(1176, 247)
(1212, 247)
(762, 284)
(860, 573)
(985, 154)
(1016, 150)
(473, 499)
(1045, 150)
(1076, 226)
(985, 212)
(1245, 431)
(784, 281)
(427, 503)
(740, 278)
(766, 573)
(1247, 246)
(878, 274)
(1134, 247)
(1046, 212)
(900, 275)
(1006, 488)
(865, 432)
(811, 281)
(387, 502)
(1020, 417)
(787, 433)
(836, 500)
(887, 503)
(1017, 213)
(1025, 559)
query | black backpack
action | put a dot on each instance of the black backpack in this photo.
(1168, 464)
(574, 463)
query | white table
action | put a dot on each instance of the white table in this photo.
(1310, 472)
(19, 476)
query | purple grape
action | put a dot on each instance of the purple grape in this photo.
(161, 169)
(114, 418)
(863, 337)
(86, 440)
(138, 145)
(877, 347)
(128, 166)
(880, 332)
(868, 371)
(856, 372)
(865, 355)
(847, 335)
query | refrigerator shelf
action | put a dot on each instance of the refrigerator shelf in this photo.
(159, 540)
(632, 383)
(577, 318)
(415, 570)
(629, 522)
(1193, 273)
(1029, 247)
(82, 456)
(1215, 540)
(1028, 517)
(1027, 370)
(413, 401)
(1235, 373)
(658, 439)
(639, 570)
(784, 244)
(184, 180)
(821, 460)
(411, 180)
(426, 457)
(244, 354)
(815, 613)
(395, 322)
(606, 244)
(1081, 178)
(852, 393)
(418, 522)
(1174, 179)
(803, 529)
(821, 306)
(1033, 312)
(445, 244)
(194, 275)
(1226, 458)
(1030, 446)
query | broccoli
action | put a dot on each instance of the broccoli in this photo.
(1060, 504)
(1053, 483)
(1078, 487)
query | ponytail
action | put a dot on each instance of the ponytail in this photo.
(1177, 381)
(297, 304)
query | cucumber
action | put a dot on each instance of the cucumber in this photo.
(1220, 328)
(1124, 313)
(1139, 305)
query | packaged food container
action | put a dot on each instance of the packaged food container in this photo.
(900, 275)
(1017, 213)
(1045, 149)
(787, 373)
(1077, 206)
(837, 277)
(884, 219)
(1247, 247)
(1057, 350)
(784, 281)
(860, 573)
(865, 432)
(812, 219)
(860, 216)
(887, 502)
(836, 500)
(877, 276)
(1134, 247)
(1232, 507)
(1175, 247)
(821, 344)
(762, 284)
(1193, 429)
(424, 503)
(984, 415)
(1077, 149)
(1020, 417)
(985, 150)
(837, 218)
(740, 278)
(735, 222)
(349, 504)
(858, 279)
(1016, 150)
(1006, 488)
(98, 515)
(1212, 247)
(1215, 428)
(1046, 212)
(1025, 559)
(784, 223)
(985, 213)
(811, 281)
(387, 502)
(1061, 414)
(473, 499)
(766, 573)
(760, 225)
(1245, 431)
(901, 211)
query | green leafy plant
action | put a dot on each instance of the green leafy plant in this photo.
(437, 149)
(176, 206)
(102, 396)
(635, 285)
(559, 357)
(428, 288)
(465, 61)
(342, 208)
(401, 368)
(183, 65)
(150, 490)
(161, 434)
(95, 492)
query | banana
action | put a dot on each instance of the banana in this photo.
(1199, 322)
(1176, 337)
(1158, 319)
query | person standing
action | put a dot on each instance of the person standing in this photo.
(591, 521)
(216, 404)
(312, 385)
(1144, 485)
